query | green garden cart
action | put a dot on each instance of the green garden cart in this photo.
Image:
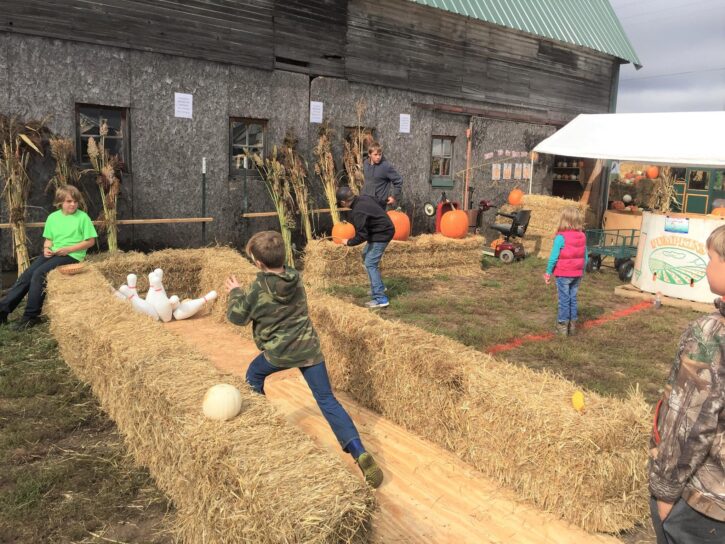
(619, 244)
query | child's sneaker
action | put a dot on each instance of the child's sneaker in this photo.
(562, 328)
(572, 328)
(370, 469)
(382, 302)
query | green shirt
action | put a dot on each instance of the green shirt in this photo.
(68, 230)
(276, 305)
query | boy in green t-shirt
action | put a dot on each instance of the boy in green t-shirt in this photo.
(68, 233)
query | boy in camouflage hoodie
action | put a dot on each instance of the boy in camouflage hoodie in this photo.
(687, 464)
(276, 305)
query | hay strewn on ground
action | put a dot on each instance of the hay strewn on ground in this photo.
(511, 423)
(424, 255)
(545, 212)
(254, 479)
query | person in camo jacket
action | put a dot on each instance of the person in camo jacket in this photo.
(687, 455)
(276, 305)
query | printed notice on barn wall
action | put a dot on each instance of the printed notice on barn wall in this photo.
(315, 112)
(183, 105)
(405, 123)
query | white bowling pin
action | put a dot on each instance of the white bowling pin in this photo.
(160, 274)
(189, 308)
(174, 300)
(131, 282)
(138, 304)
(118, 294)
(157, 298)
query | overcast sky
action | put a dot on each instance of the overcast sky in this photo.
(681, 45)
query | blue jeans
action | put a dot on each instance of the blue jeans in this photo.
(567, 288)
(319, 383)
(32, 283)
(371, 255)
(685, 525)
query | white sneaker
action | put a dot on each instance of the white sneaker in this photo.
(377, 304)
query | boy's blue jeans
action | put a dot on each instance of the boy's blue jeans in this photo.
(567, 289)
(371, 255)
(319, 383)
(32, 283)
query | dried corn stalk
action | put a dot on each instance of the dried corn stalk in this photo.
(18, 140)
(275, 179)
(107, 168)
(664, 196)
(325, 169)
(296, 171)
(354, 148)
(66, 170)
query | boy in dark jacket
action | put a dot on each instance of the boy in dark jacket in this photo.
(374, 226)
(381, 177)
(276, 305)
(687, 456)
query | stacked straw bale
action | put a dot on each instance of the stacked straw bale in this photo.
(327, 263)
(545, 213)
(252, 479)
(511, 423)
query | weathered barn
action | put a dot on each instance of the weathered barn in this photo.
(512, 71)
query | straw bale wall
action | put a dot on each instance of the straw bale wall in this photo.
(511, 423)
(545, 212)
(252, 479)
(421, 256)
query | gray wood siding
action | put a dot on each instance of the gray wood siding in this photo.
(393, 43)
(311, 33)
(236, 32)
(414, 47)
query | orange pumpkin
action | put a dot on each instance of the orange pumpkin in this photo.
(516, 197)
(342, 231)
(718, 211)
(652, 172)
(454, 224)
(401, 222)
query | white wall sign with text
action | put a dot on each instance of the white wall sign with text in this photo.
(315, 112)
(183, 105)
(405, 123)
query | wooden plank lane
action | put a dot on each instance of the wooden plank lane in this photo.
(429, 495)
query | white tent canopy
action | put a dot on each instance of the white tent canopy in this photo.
(678, 139)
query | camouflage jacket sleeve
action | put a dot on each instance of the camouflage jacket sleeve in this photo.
(241, 304)
(689, 418)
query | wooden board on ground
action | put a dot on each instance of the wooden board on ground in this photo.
(631, 291)
(428, 495)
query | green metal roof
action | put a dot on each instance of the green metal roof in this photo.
(589, 23)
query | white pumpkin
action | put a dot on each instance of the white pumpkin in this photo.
(222, 402)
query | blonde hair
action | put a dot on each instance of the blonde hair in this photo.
(65, 191)
(267, 247)
(571, 219)
(716, 241)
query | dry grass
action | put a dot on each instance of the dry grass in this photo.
(511, 423)
(545, 213)
(253, 479)
(327, 263)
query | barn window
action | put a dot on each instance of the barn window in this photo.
(440, 161)
(89, 120)
(246, 137)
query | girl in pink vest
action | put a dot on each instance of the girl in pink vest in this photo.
(567, 262)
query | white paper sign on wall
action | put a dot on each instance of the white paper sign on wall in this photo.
(405, 123)
(183, 105)
(315, 112)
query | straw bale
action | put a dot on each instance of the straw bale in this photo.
(511, 423)
(252, 479)
(545, 212)
(423, 256)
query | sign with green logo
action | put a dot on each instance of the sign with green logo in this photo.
(677, 266)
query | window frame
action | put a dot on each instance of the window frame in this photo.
(125, 130)
(236, 173)
(442, 180)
